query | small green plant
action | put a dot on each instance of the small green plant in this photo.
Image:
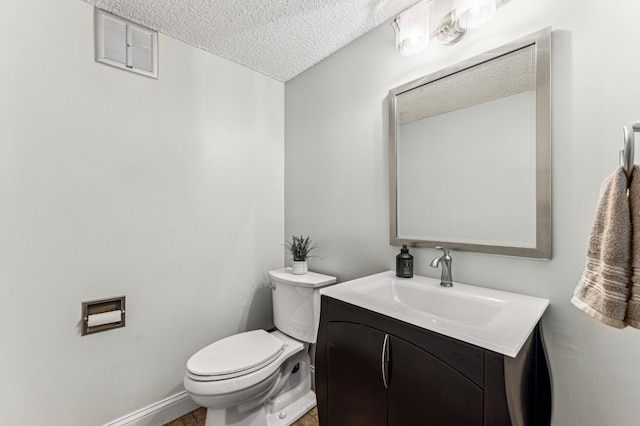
(300, 247)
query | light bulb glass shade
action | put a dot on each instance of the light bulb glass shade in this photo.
(412, 29)
(470, 14)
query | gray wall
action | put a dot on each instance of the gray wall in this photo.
(336, 180)
(167, 191)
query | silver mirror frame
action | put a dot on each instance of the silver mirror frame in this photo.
(543, 250)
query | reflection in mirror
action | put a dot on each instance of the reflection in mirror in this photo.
(470, 162)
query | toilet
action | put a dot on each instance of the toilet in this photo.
(260, 378)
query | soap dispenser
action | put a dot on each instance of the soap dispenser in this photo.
(404, 263)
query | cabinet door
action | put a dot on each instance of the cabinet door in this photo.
(356, 392)
(425, 391)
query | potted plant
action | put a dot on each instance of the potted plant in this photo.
(299, 248)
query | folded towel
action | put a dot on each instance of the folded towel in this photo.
(603, 290)
(633, 305)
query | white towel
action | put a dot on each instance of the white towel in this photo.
(604, 288)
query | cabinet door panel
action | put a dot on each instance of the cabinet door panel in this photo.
(424, 390)
(356, 393)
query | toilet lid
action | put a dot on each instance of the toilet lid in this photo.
(236, 355)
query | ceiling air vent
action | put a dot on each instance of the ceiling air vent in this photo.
(125, 45)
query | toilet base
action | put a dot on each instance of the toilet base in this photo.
(231, 416)
(259, 417)
(293, 411)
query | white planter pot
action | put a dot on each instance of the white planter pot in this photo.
(299, 267)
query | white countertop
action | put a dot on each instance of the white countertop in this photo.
(497, 320)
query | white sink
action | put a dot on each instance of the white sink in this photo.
(496, 320)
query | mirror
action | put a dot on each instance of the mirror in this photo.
(470, 154)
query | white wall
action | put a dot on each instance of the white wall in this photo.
(167, 191)
(336, 185)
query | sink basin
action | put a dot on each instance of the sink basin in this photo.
(459, 304)
(496, 320)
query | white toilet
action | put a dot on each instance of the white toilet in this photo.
(258, 378)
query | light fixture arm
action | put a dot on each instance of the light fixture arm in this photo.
(448, 32)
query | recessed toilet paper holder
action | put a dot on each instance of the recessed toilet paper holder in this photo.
(102, 315)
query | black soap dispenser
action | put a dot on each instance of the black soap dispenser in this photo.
(404, 263)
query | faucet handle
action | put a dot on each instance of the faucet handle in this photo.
(444, 250)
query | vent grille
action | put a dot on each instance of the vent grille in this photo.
(141, 49)
(125, 45)
(114, 40)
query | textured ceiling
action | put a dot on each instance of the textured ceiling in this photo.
(279, 38)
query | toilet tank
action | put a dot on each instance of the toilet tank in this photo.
(296, 302)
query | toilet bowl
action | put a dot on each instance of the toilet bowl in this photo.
(260, 378)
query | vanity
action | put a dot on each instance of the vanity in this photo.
(396, 351)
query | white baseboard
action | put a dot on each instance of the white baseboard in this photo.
(159, 413)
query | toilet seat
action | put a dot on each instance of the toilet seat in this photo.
(235, 356)
(219, 388)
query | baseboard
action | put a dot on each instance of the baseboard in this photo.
(159, 413)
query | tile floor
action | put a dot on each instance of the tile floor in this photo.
(197, 417)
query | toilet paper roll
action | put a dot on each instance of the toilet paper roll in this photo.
(104, 318)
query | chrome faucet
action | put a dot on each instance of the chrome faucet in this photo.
(445, 259)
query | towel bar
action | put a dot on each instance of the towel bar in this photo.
(627, 153)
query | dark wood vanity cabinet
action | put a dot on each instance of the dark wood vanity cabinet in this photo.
(375, 370)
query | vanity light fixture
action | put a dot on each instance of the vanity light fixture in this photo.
(413, 30)
(470, 14)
